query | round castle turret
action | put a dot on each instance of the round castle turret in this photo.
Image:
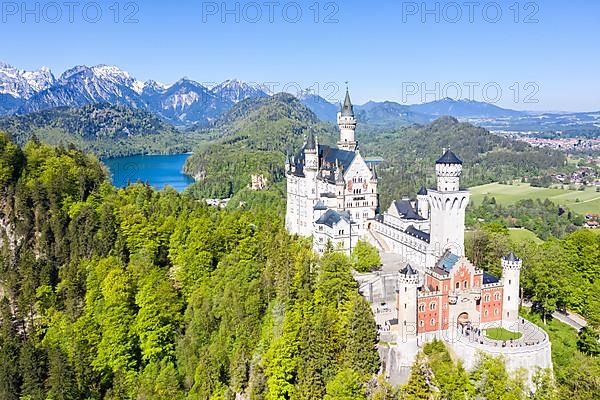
(311, 157)
(347, 124)
(423, 203)
(408, 283)
(448, 170)
(511, 273)
(447, 207)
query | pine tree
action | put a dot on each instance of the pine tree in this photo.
(361, 339)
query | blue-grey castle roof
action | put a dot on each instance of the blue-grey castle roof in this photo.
(406, 210)
(332, 217)
(347, 108)
(311, 142)
(449, 158)
(320, 206)
(414, 232)
(408, 270)
(488, 279)
(511, 257)
(447, 261)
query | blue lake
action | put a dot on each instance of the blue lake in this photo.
(158, 171)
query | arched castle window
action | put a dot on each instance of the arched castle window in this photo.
(495, 311)
(457, 285)
(432, 322)
(465, 284)
(421, 323)
(485, 313)
(421, 307)
(496, 296)
(487, 297)
(432, 306)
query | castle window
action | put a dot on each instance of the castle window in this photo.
(421, 323)
(432, 306)
(432, 322)
(508, 298)
(496, 296)
(457, 285)
(487, 297)
(485, 313)
(507, 314)
(509, 281)
(421, 307)
(495, 311)
(466, 284)
(404, 305)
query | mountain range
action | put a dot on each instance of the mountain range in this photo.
(189, 103)
(183, 103)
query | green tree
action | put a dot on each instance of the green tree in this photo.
(361, 338)
(365, 257)
(346, 385)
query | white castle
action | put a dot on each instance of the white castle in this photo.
(332, 196)
(432, 290)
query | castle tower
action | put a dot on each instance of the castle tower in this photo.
(408, 282)
(347, 125)
(423, 203)
(511, 273)
(340, 188)
(447, 207)
(311, 156)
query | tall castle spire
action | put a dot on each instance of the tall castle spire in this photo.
(347, 125)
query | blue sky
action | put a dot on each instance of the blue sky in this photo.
(545, 57)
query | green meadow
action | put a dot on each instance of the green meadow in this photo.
(581, 202)
(519, 235)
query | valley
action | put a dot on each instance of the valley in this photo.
(582, 201)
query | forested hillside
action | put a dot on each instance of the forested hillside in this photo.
(252, 138)
(409, 156)
(255, 136)
(104, 129)
(136, 294)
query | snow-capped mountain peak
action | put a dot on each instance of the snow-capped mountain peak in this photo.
(155, 86)
(24, 84)
(236, 90)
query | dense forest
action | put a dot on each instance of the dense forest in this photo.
(103, 129)
(134, 293)
(254, 137)
(138, 294)
(409, 156)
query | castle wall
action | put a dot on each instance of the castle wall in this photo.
(411, 249)
(527, 357)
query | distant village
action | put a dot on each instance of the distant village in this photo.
(561, 144)
(582, 176)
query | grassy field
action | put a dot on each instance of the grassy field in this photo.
(581, 202)
(523, 235)
(502, 334)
